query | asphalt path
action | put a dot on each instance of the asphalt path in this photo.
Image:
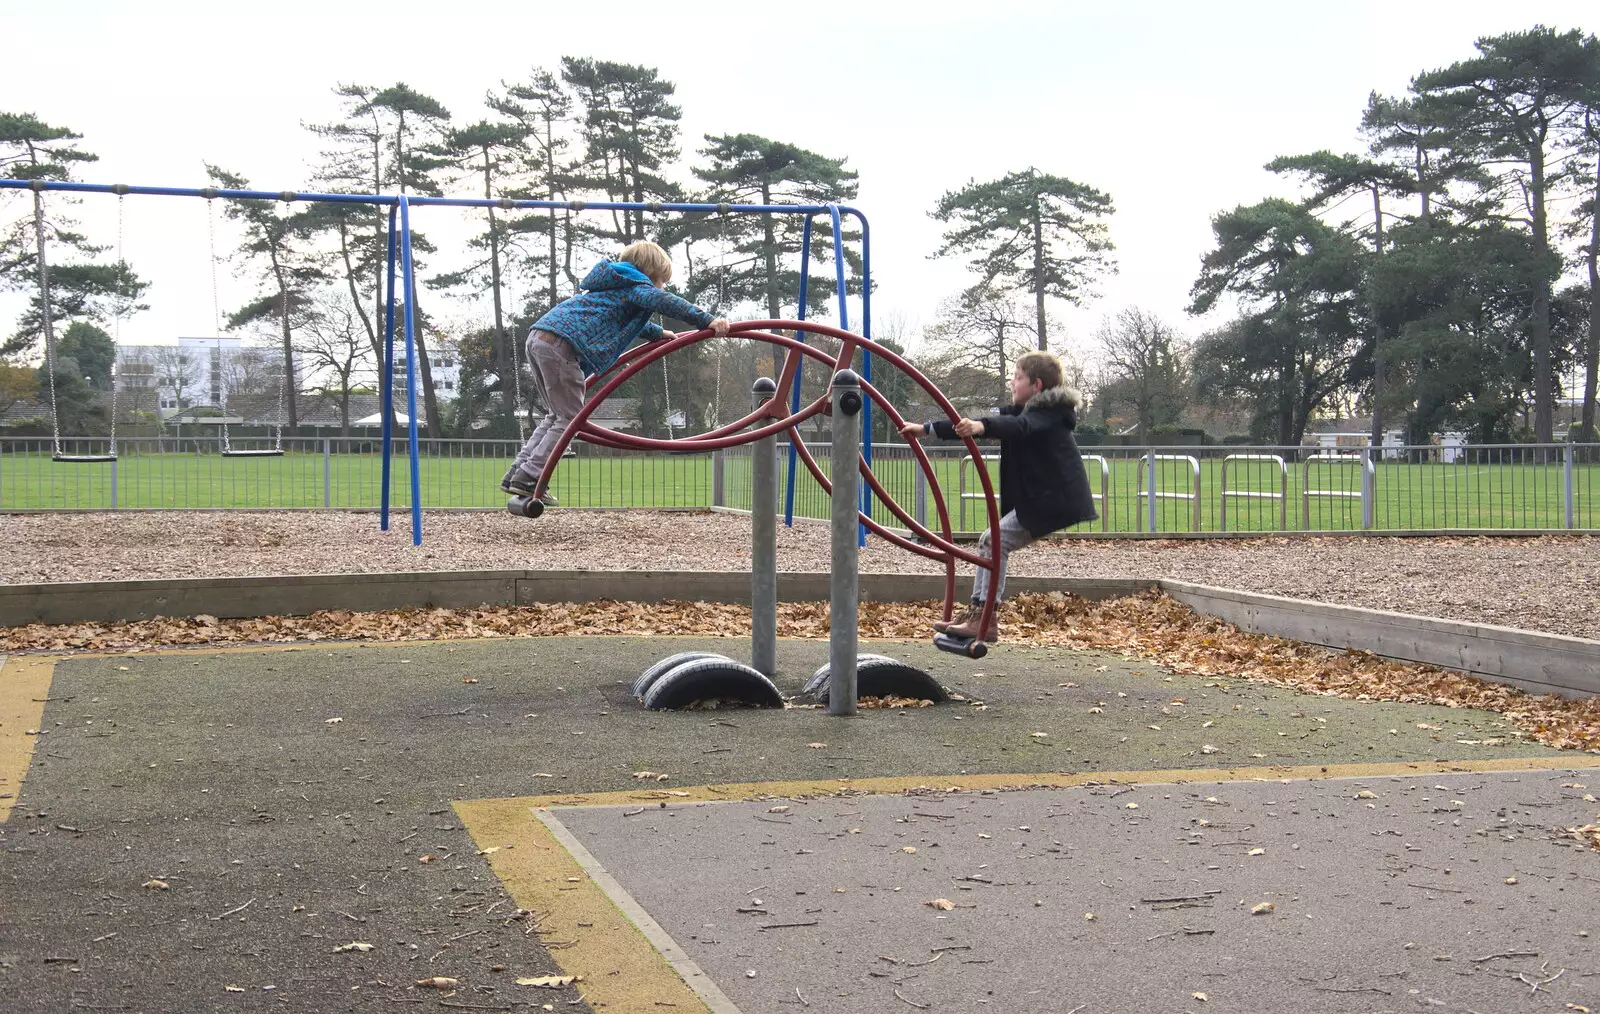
(288, 829)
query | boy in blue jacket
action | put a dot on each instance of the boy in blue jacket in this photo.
(584, 335)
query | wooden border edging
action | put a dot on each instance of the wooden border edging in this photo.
(1537, 662)
(234, 597)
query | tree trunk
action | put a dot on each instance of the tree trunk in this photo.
(1377, 331)
(287, 385)
(1000, 353)
(505, 356)
(1286, 392)
(769, 253)
(380, 265)
(1038, 273)
(344, 409)
(550, 195)
(1592, 361)
(424, 369)
(566, 265)
(44, 298)
(1539, 327)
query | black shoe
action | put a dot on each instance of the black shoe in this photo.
(518, 483)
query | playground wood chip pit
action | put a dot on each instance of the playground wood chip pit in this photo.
(1148, 626)
(1549, 583)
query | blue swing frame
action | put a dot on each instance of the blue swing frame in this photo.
(399, 257)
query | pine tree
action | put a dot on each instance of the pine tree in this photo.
(630, 134)
(1030, 232)
(1514, 104)
(490, 153)
(31, 149)
(1334, 178)
(543, 110)
(1298, 281)
(291, 268)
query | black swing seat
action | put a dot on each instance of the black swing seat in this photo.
(269, 453)
(971, 647)
(78, 459)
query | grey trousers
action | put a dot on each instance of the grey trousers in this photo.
(558, 379)
(1012, 537)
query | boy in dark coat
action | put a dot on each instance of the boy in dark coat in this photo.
(1043, 486)
(584, 336)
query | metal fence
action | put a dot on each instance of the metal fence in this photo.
(1152, 489)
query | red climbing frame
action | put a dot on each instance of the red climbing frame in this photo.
(772, 417)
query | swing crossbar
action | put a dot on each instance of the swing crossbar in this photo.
(400, 262)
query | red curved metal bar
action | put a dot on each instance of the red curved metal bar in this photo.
(945, 549)
(871, 524)
(730, 435)
(659, 350)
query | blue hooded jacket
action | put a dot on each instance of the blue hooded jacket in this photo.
(613, 312)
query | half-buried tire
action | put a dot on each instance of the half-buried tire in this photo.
(648, 678)
(708, 679)
(881, 676)
(818, 683)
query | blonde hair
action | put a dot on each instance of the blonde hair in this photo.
(1044, 367)
(649, 258)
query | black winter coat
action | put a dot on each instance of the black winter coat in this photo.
(1041, 473)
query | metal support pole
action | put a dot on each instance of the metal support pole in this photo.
(844, 607)
(114, 486)
(719, 495)
(1150, 487)
(327, 472)
(839, 268)
(386, 376)
(764, 542)
(1369, 479)
(919, 494)
(1571, 513)
(794, 395)
(410, 290)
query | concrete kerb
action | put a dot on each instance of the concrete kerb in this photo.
(1537, 662)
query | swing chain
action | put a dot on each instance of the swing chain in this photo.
(116, 324)
(216, 322)
(44, 306)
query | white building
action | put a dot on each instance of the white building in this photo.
(444, 360)
(200, 372)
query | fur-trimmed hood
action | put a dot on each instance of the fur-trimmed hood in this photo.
(1053, 397)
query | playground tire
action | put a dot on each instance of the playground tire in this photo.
(649, 676)
(819, 679)
(708, 678)
(881, 676)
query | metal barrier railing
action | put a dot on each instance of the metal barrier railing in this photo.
(1365, 493)
(1417, 488)
(1153, 494)
(1282, 496)
(1104, 496)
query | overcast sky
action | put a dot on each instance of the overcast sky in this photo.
(1172, 108)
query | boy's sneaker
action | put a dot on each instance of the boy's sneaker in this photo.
(518, 483)
(549, 499)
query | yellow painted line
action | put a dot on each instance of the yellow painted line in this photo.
(588, 935)
(24, 685)
(1050, 780)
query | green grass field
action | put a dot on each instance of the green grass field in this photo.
(1408, 496)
